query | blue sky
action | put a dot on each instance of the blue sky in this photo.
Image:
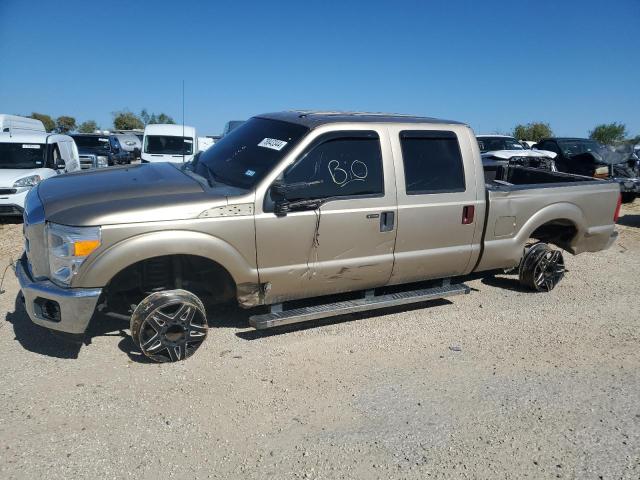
(491, 64)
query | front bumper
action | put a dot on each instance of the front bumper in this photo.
(13, 204)
(75, 306)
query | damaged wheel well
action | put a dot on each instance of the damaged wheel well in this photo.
(559, 232)
(210, 281)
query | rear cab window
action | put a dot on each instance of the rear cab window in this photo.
(432, 162)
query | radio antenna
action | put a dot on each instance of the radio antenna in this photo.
(183, 142)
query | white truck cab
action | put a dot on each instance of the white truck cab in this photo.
(28, 158)
(16, 124)
(169, 143)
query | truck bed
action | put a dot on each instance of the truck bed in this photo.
(573, 212)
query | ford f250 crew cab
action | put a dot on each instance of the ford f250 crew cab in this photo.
(313, 214)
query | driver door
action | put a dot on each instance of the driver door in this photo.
(347, 242)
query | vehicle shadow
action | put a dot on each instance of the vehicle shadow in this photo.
(14, 220)
(505, 283)
(350, 317)
(629, 221)
(47, 342)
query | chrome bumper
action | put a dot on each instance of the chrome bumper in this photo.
(75, 305)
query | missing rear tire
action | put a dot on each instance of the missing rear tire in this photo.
(169, 326)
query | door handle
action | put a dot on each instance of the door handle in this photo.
(387, 220)
(468, 212)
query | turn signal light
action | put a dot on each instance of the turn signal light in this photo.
(82, 248)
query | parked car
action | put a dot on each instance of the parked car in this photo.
(130, 143)
(502, 150)
(15, 124)
(297, 205)
(26, 159)
(169, 143)
(205, 142)
(583, 156)
(100, 151)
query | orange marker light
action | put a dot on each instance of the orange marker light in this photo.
(82, 248)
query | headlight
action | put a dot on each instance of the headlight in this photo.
(102, 161)
(30, 181)
(68, 249)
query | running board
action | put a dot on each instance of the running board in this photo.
(278, 317)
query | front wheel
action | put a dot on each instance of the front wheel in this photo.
(541, 267)
(169, 326)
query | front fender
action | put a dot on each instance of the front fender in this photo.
(98, 271)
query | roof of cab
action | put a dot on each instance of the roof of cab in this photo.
(312, 118)
(32, 137)
(169, 129)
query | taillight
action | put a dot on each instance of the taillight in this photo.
(616, 215)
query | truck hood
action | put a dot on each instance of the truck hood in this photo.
(9, 176)
(127, 194)
(508, 154)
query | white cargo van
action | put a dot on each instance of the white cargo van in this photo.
(28, 158)
(14, 124)
(169, 143)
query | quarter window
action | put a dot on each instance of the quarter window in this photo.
(339, 166)
(432, 162)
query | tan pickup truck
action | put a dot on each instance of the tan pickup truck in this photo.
(311, 213)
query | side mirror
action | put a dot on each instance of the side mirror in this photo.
(282, 198)
(61, 164)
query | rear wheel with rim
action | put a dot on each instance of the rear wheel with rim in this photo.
(541, 267)
(169, 326)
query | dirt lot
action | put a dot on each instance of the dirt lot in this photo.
(543, 386)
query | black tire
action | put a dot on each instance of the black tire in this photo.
(169, 326)
(628, 197)
(541, 267)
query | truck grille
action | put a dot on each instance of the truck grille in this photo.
(87, 162)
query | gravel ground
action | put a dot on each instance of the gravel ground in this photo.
(500, 383)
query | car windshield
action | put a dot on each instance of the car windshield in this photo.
(168, 145)
(577, 147)
(22, 155)
(243, 158)
(491, 144)
(90, 141)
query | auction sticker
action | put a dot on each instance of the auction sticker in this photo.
(28, 145)
(272, 143)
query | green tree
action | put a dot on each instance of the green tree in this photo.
(89, 126)
(534, 131)
(65, 124)
(126, 120)
(609, 133)
(164, 118)
(47, 121)
(152, 118)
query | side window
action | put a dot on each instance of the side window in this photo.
(432, 162)
(345, 165)
(550, 146)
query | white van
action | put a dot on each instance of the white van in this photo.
(28, 158)
(169, 143)
(15, 124)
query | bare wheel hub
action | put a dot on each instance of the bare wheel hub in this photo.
(172, 332)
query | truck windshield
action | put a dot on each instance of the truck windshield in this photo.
(88, 141)
(243, 157)
(491, 144)
(168, 145)
(22, 155)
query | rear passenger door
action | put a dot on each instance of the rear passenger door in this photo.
(438, 232)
